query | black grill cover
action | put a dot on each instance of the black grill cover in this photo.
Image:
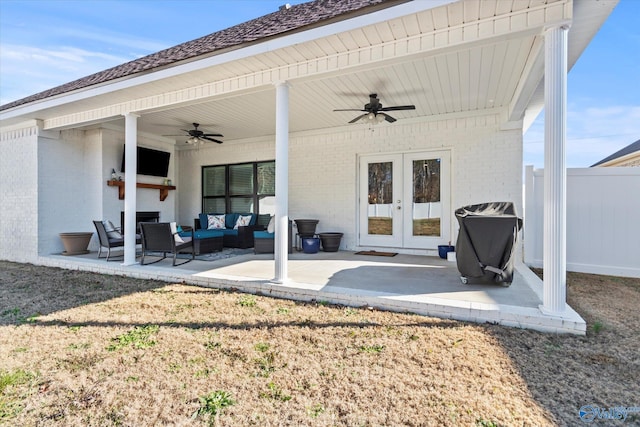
(487, 240)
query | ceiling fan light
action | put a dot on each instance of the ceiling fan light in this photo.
(379, 118)
(371, 116)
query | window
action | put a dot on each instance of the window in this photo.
(239, 188)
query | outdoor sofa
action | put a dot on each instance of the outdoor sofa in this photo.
(234, 235)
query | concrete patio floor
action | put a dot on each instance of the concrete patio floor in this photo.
(405, 283)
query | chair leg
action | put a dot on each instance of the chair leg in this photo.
(175, 257)
(164, 255)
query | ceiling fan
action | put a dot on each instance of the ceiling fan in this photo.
(196, 136)
(374, 112)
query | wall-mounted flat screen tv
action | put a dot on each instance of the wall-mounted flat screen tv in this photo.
(150, 162)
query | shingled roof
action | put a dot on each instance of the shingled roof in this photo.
(631, 148)
(285, 20)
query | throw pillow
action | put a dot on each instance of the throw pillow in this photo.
(215, 222)
(242, 221)
(271, 228)
(174, 231)
(112, 231)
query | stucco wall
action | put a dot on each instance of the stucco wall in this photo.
(486, 166)
(19, 194)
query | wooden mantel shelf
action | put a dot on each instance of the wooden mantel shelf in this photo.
(164, 189)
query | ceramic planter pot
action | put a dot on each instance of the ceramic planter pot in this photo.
(330, 241)
(75, 243)
(306, 227)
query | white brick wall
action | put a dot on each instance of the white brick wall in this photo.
(146, 199)
(53, 182)
(69, 190)
(19, 195)
(66, 196)
(486, 166)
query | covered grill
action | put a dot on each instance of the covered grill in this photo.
(487, 241)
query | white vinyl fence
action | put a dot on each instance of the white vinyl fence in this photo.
(603, 220)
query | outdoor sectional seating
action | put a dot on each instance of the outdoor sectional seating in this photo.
(264, 241)
(232, 237)
(204, 241)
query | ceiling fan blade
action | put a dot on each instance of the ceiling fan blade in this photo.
(351, 109)
(212, 134)
(211, 139)
(398, 108)
(184, 130)
(358, 118)
(388, 117)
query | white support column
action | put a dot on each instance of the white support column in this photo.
(130, 154)
(281, 246)
(555, 174)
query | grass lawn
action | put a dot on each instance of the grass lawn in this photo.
(83, 349)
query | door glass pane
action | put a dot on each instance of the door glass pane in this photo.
(380, 198)
(427, 209)
(241, 204)
(267, 178)
(241, 179)
(213, 181)
(214, 206)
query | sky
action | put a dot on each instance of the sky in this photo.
(45, 43)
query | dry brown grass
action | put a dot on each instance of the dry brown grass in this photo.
(287, 363)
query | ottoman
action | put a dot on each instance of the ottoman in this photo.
(263, 241)
(205, 241)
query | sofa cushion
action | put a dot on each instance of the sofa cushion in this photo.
(271, 227)
(242, 221)
(215, 222)
(263, 235)
(229, 220)
(204, 219)
(174, 231)
(202, 234)
(112, 231)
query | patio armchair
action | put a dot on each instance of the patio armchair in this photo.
(162, 237)
(110, 237)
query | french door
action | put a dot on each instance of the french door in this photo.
(405, 200)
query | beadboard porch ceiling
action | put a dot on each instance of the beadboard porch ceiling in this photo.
(457, 58)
